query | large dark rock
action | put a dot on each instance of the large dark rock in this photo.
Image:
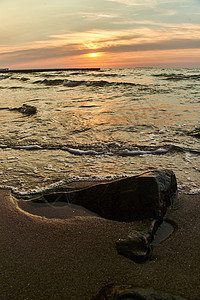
(128, 292)
(129, 199)
(136, 247)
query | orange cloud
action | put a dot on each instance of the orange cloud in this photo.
(126, 43)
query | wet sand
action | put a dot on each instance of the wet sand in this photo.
(58, 258)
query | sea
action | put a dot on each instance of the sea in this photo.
(99, 126)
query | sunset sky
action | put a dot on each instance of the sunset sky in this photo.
(99, 33)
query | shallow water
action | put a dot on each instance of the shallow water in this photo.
(163, 232)
(58, 210)
(99, 126)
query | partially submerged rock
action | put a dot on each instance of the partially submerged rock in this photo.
(26, 109)
(128, 292)
(129, 199)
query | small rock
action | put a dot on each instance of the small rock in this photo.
(26, 109)
(136, 247)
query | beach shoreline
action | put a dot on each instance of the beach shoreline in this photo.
(74, 258)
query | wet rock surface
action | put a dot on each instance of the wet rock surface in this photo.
(128, 292)
(26, 109)
(129, 199)
(136, 247)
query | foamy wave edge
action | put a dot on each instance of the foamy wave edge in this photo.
(93, 150)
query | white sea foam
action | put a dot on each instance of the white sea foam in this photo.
(194, 192)
(70, 179)
(140, 152)
(71, 83)
(82, 152)
(26, 147)
(13, 158)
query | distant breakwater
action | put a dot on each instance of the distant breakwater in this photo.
(46, 70)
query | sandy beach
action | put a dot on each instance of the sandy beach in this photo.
(59, 258)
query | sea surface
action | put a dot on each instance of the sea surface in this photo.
(99, 126)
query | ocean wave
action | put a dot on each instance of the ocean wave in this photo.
(72, 83)
(100, 83)
(158, 151)
(16, 88)
(4, 77)
(62, 184)
(24, 79)
(96, 74)
(67, 186)
(107, 75)
(82, 152)
(52, 82)
(177, 77)
(95, 83)
(109, 149)
(195, 132)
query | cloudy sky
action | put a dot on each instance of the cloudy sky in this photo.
(99, 33)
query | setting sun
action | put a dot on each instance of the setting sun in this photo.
(93, 54)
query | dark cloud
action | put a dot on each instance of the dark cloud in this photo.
(44, 53)
(162, 45)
